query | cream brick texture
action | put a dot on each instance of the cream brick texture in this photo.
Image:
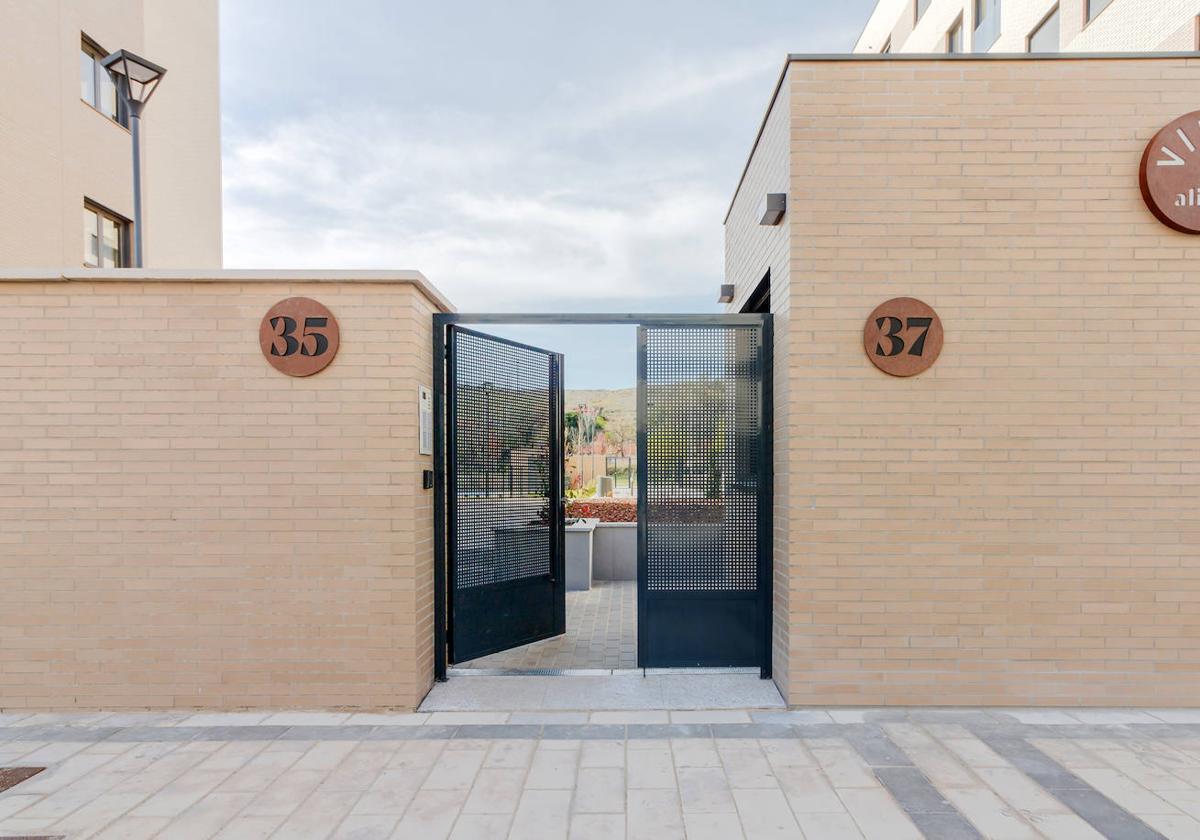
(1122, 26)
(1019, 525)
(181, 526)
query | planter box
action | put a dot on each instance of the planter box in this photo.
(614, 548)
(579, 554)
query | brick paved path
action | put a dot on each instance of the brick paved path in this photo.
(601, 633)
(636, 774)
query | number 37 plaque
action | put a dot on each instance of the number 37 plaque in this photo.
(299, 336)
(903, 336)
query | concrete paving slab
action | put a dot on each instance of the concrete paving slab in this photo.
(727, 773)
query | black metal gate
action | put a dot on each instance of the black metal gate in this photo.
(504, 515)
(704, 477)
(704, 488)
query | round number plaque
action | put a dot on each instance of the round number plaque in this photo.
(1170, 174)
(299, 336)
(903, 336)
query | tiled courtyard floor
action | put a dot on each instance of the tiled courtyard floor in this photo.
(601, 633)
(607, 774)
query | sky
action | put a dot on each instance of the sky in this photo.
(526, 155)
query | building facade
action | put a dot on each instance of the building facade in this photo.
(184, 526)
(1022, 26)
(1017, 524)
(66, 182)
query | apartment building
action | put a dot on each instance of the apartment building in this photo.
(1033, 26)
(66, 181)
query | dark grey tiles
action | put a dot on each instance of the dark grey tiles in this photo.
(584, 732)
(933, 814)
(1104, 815)
(752, 730)
(1035, 764)
(80, 734)
(944, 826)
(913, 790)
(153, 733)
(428, 732)
(820, 730)
(499, 731)
(328, 733)
(642, 731)
(240, 733)
(876, 748)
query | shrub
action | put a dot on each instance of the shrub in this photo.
(606, 510)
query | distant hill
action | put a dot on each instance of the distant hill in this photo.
(618, 403)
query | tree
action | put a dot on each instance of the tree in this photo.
(620, 434)
(582, 423)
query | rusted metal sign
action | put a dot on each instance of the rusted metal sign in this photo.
(299, 336)
(903, 336)
(1170, 174)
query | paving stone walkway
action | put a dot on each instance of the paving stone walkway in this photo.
(607, 774)
(601, 633)
(666, 689)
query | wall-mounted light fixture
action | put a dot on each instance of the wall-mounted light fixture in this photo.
(726, 293)
(772, 208)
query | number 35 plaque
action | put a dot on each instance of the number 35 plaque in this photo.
(903, 336)
(299, 336)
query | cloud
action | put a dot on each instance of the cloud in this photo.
(670, 82)
(502, 211)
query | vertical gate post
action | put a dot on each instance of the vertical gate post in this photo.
(643, 507)
(439, 499)
(766, 495)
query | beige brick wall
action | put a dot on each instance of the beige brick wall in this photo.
(183, 527)
(1021, 523)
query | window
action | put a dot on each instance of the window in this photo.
(954, 42)
(987, 24)
(96, 85)
(922, 6)
(105, 238)
(1095, 7)
(1044, 37)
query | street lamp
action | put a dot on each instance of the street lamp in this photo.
(136, 79)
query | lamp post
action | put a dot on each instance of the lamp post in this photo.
(136, 79)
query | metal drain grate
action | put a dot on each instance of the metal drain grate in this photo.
(13, 776)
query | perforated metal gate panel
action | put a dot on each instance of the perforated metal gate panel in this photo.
(701, 468)
(504, 509)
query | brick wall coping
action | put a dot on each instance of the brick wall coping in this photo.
(853, 58)
(225, 275)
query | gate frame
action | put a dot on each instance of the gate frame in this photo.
(766, 511)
